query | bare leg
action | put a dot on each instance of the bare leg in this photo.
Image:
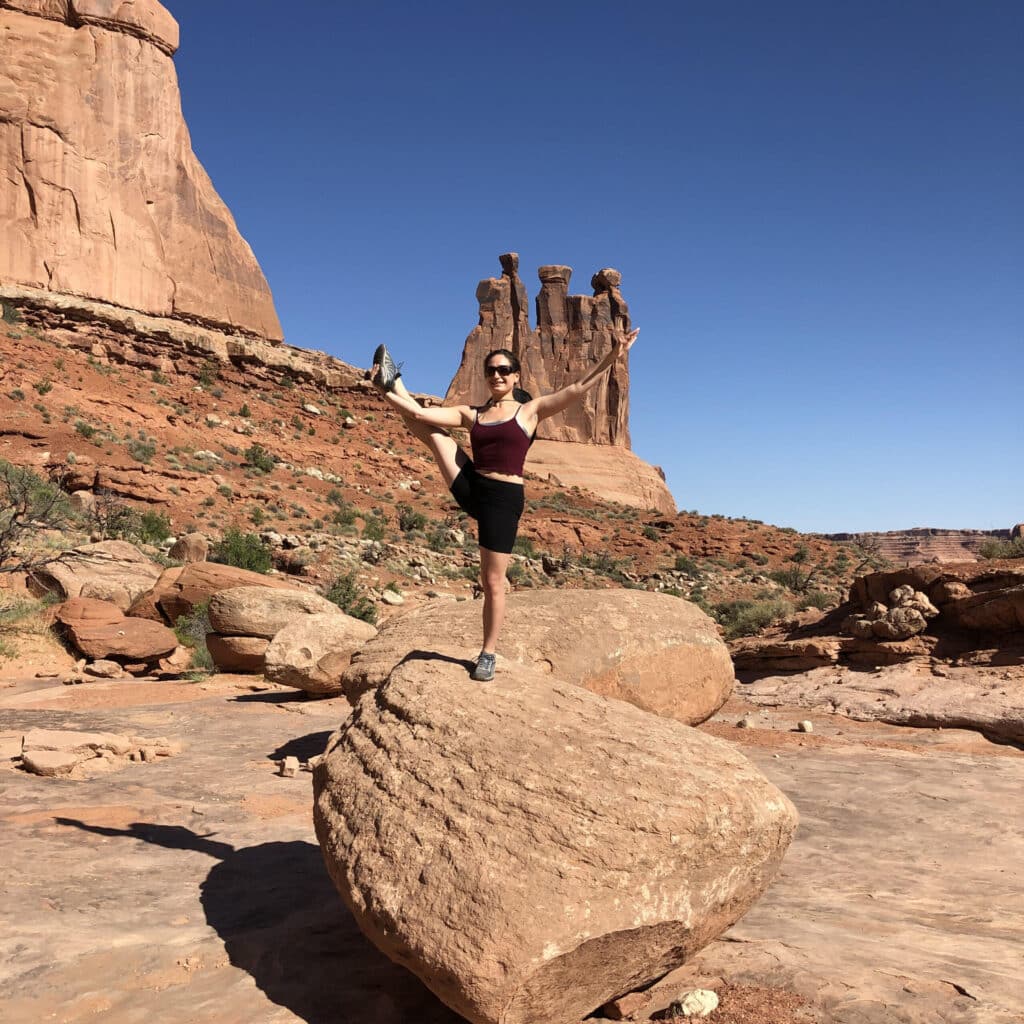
(493, 566)
(450, 458)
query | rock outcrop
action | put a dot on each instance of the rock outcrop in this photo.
(99, 630)
(531, 850)
(103, 197)
(657, 652)
(923, 544)
(573, 332)
(963, 612)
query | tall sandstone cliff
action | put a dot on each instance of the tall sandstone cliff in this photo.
(587, 445)
(102, 197)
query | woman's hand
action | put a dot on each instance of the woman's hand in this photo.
(623, 343)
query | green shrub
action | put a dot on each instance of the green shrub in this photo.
(817, 599)
(651, 533)
(348, 595)
(17, 395)
(686, 564)
(29, 506)
(153, 527)
(745, 618)
(1002, 548)
(409, 519)
(259, 458)
(208, 372)
(44, 387)
(373, 528)
(141, 451)
(242, 550)
(11, 314)
(794, 578)
(245, 412)
(524, 546)
(191, 630)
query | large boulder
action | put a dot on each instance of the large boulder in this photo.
(237, 653)
(531, 850)
(112, 570)
(660, 653)
(99, 630)
(260, 611)
(181, 591)
(193, 547)
(312, 651)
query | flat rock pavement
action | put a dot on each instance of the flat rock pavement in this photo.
(191, 888)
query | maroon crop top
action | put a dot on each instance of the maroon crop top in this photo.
(499, 447)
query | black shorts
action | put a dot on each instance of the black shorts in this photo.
(496, 505)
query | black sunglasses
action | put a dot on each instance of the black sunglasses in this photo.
(501, 371)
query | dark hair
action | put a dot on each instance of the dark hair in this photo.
(518, 394)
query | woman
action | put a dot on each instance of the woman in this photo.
(490, 487)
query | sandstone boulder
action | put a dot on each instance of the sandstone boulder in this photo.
(531, 850)
(196, 583)
(193, 547)
(237, 653)
(261, 611)
(660, 653)
(312, 651)
(112, 570)
(147, 605)
(1000, 610)
(99, 630)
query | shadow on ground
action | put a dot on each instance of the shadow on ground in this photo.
(282, 921)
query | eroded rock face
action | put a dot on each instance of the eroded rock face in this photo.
(659, 653)
(573, 332)
(531, 850)
(103, 197)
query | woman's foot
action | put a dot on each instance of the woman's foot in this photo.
(484, 671)
(385, 371)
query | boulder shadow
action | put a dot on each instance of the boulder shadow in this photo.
(418, 655)
(282, 921)
(303, 747)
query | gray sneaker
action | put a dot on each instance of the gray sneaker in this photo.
(389, 372)
(484, 671)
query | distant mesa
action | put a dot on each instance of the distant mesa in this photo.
(924, 544)
(102, 197)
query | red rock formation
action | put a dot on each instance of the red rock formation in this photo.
(923, 544)
(103, 197)
(573, 332)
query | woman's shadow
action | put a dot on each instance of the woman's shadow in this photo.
(281, 919)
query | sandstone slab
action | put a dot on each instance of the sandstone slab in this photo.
(312, 651)
(193, 547)
(263, 611)
(111, 570)
(474, 835)
(967, 698)
(659, 653)
(195, 584)
(99, 631)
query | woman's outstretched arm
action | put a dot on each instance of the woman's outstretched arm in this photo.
(549, 405)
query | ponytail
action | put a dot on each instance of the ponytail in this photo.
(521, 396)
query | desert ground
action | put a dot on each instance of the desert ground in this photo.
(192, 888)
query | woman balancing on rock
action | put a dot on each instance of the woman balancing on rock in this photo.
(490, 486)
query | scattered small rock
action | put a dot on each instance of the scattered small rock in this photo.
(289, 767)
(805, 726)
(698, 1003)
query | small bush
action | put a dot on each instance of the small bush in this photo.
(44, 387)
(651, 533)
(242, 550)
(17, 395)
(245, 412)
(141, 451)
(11, 314)
(524, 546)
(153, 527)
(259, 458)
(745, 618)
(686, 564)
(409, 519)
(1002, 548)
(348, 595)
(373, 528)
(817, 599)
(191, 632)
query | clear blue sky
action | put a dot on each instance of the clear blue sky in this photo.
(817, 209)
